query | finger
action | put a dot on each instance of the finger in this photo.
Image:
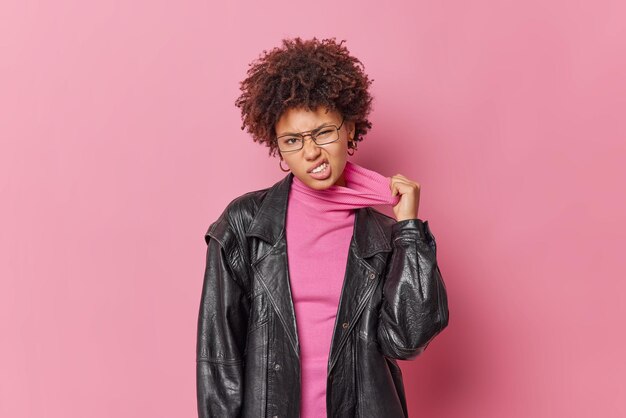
(408, 182)
(403, 178)
(406, 187)
(398, 187)
(399, 180)
(398, 176)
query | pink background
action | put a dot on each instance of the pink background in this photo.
(120, 144)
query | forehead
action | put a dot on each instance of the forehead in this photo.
(300, 119)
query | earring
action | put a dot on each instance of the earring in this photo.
(280, 164)
(352, 145)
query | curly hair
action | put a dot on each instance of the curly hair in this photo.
(301, 74)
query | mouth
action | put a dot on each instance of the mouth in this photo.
(319, 167)
(321, 172)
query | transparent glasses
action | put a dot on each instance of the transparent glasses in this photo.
(321, 136)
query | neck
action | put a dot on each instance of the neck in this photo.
(341, 181)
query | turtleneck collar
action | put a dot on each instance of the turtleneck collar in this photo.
(363, 188)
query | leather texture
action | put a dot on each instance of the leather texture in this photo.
(393, 303)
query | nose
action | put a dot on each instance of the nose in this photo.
(310, 148)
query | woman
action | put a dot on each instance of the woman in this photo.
(310, 295)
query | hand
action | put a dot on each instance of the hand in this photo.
(409, 197)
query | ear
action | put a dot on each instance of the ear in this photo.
(351, 129)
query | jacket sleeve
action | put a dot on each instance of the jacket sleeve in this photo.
(414, 308)
(222, 329)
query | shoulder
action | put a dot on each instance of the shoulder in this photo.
(236, 217)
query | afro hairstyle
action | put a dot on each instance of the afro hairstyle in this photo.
(303, 74)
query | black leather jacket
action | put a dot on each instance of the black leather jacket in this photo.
(393, 303)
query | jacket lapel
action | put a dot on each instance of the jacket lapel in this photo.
(363, 273)
(270, 264)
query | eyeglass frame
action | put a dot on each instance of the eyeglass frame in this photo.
(304, 134)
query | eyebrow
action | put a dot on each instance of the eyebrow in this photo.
(299, 133)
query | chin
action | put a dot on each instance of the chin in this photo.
(321, 184)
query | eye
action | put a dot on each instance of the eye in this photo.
(325, 132)
(290, 140)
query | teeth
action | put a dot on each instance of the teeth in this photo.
(322, 167)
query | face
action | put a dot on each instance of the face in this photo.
(335, 154)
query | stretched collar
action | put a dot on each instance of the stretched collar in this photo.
(268, 223)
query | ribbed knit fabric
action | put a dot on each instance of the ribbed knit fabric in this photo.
(319, 228)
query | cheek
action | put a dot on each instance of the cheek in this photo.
(298, 166)
(341, 153)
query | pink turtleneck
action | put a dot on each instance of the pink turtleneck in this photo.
(319, 229)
